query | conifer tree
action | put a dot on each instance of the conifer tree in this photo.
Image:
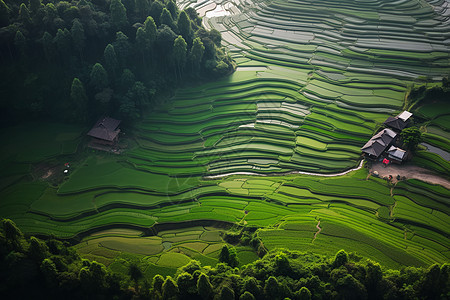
(79, 100)
(99, 77)
(78, 37)
(155, 11)
(170, 289)
(21, 43)
(166, 19)
(184, 26)
(48, 46)
(179, 54)
(62, 42)
(24, 14)
(196, 54)
(204, 287)
(4, 14)
(122, 48)
(110, 59)
(118, 14)
(150, 29)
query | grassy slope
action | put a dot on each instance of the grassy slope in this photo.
(308, 105)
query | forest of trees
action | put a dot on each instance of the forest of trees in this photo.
(74, 61)
(32, 268)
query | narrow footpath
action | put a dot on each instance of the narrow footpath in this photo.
(320, 229)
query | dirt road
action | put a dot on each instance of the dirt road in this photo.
(410, 171)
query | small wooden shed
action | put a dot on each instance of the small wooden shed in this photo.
(105, 131)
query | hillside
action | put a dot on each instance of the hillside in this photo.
(265, 158)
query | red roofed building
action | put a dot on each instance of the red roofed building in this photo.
(105, 131)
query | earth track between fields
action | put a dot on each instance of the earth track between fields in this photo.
(285, 173)
(409, 171)
(320, 229)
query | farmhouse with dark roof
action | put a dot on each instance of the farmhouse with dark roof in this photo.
(379, 143)
(105, 131)
(399, 122)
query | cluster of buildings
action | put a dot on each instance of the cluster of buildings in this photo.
(382, 144)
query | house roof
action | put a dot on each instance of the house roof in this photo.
(379, 142)
(404, 115)
(105, 129)
(399, 122)
(396, 153)
(395, 123)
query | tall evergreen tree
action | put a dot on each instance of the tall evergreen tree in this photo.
(170, 289)
(20, 42)
(79, 100)
(196, 54)
(184, 26)
(143, 43)
(50, 272)
(173, 9)
(48, 46)
(166, 19)
(155, 10)
(157, 284)
(50, 14)
(304, 293)
(164, 43)
(62, 42)
(78, 37)
(186, 285)
(151, 34)
(127, 80)
(179, 54)
(272, 288)
(24, 15)
(98, 77)
(204, 286)
(110, 60)
(118, 14)
(4, 14)
(247, 296)
(150, 29)
(226, 293)
(122, 47)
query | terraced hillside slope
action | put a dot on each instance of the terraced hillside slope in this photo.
(314, 81)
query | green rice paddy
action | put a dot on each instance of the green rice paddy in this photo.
(314, 82)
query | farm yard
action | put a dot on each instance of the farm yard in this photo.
(314, 81)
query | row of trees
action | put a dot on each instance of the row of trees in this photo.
(422, 94)
(30, 268)
(63, 59)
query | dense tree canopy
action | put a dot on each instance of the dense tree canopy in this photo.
(31, 267)
(75, 38)
(411, 137)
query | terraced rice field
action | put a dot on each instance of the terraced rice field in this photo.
(314, 81)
